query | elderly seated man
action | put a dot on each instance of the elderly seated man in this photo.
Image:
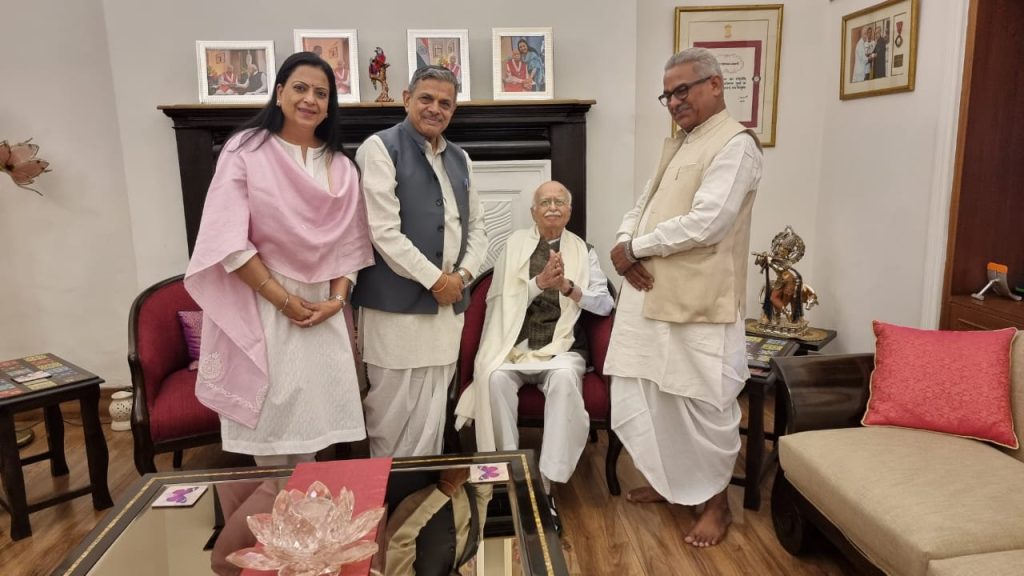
(543, 279)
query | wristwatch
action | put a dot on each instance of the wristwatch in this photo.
(572, 286)
(339, 298)
(464, 274)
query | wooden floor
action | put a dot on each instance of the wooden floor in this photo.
(602, 534)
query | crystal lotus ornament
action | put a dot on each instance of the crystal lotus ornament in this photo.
(309, 534)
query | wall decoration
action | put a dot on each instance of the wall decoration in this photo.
(21, 164)
(747, 40)
(379, 75)
(879, 50)
(235, 72)
(340, 49)
(523, 64)
(448, 48)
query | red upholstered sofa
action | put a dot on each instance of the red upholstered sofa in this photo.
(166, 416)
(596, 387)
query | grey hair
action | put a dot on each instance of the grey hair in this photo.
(703, 60)
(433, 73)
(564, 189)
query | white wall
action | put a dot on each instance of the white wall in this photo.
(585, 34)
(865, 182)
(69, 266)
(789, 187)
(886, 175)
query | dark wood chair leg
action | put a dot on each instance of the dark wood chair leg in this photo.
(13, 480)
(144, 462)
(55, 439)
(610, 471)
(178, 455)
(95, 448)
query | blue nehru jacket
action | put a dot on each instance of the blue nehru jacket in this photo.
(422, 213)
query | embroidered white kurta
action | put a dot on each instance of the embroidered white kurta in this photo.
(310, 404)
(674, 385)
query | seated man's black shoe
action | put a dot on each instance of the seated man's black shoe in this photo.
(555, 520)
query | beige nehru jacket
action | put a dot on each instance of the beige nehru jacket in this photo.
(708, 283)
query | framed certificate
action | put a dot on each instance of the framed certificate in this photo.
(747, 40)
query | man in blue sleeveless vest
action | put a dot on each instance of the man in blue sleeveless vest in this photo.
(427, 230)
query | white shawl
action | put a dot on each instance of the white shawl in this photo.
(507, 301)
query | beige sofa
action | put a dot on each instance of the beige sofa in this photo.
(896, 501)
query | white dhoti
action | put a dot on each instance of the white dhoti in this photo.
(685, 448)
(674, 389)
(567, 423)
(405, 410)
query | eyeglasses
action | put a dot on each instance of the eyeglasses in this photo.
(680, 92)
(548, 202)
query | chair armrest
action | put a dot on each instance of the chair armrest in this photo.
(825, 391)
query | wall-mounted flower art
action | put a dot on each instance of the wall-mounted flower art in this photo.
(20, 163)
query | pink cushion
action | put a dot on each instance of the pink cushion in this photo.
(192, 329)
(951, 382)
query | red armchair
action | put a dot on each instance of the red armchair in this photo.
(596, 387)
(166, 416)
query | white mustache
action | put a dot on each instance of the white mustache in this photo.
(552, 213)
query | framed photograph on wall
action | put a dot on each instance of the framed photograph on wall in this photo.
(879, 50)
(747, 40)
(235, 72)
(523, 64)
(339, 48)
(448, 48)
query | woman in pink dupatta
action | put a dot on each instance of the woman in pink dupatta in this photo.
(283, 235)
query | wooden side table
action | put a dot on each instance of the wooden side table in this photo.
(761, 380)
(756, 387)
(67, 383)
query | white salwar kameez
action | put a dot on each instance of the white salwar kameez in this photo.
(674, 386)
(313, 397)
(411, 357)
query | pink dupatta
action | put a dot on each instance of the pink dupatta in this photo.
(260, 198)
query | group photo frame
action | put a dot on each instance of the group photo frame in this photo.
(235, 72)
(341, 51)
(878, 52)
(747, 40)
(523, 64)
(447, 48)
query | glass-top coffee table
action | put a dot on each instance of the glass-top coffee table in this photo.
(518, 534)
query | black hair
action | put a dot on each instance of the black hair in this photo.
(270, 119)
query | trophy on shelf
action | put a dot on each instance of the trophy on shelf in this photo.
(787, 298)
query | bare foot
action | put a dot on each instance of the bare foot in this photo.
(713, 523)
(644, 495)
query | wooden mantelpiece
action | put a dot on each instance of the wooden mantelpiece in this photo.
(553, 130)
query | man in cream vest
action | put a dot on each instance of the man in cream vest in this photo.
(677, 354)
(542, 280)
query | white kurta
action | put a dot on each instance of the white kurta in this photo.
(405, 341)
(313, 397)
(684, 441)
(411, 357)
